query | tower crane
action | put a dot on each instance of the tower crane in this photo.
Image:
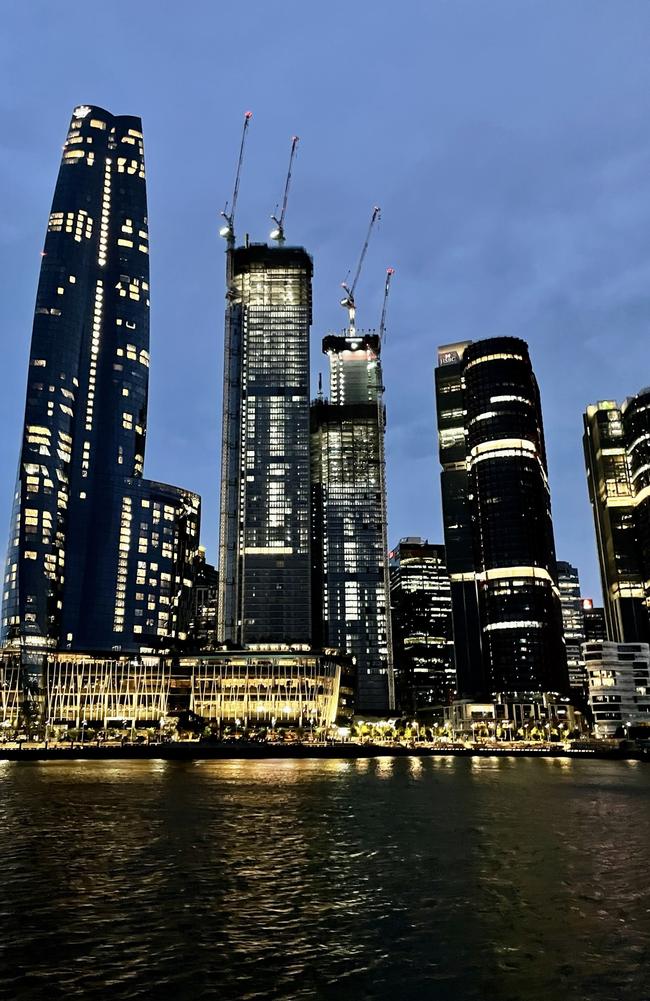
(278, 232)
(228, 230)
(382, 323)
(348, 301)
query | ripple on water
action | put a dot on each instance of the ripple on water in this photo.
(389, 878)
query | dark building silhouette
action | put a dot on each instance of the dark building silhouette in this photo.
(496, 505)
(203, 625)
(264, 561)
(349, 533)
(99, 558)
(636, 425)
(595, 624)
(423, 642)
(457, 519)
(618, 522)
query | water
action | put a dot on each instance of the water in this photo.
(441, 878)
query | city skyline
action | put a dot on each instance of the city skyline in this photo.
(434, 299)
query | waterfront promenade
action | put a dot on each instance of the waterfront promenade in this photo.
(191, 750)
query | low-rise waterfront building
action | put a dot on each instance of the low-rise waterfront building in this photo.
(619, 685)
(535, 718)
(283, 685)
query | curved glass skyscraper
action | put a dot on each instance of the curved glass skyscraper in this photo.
(98, 557)
(505, 516)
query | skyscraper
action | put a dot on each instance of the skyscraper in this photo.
(457, 519)
(98, 558)
(498, 509)
(351, 585)
(423, 641)
(573, 624)
(612, 496)
(264, 552)
(636, 425)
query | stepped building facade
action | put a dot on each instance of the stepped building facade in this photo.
(351, 586)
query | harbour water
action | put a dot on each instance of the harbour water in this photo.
(442, 878)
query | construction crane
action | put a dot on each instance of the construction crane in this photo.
(228, 231)
(278, 232)
(382, 323)
(348, 301)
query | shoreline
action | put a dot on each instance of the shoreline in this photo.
(197, 751)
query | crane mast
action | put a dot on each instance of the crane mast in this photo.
(382, 323)
(228, 230)
(278, 232)
(348, 302)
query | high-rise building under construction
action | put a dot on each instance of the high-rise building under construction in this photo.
(99, 558)
(264, 550)
(350, 551)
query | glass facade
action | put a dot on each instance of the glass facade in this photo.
(612, 496)
(636, 425)
(351, 586)
(265, 568)
(457, 519)
(493, 426)
(203, 627)
(86, 527)
(573, 623)
(423, 642)
(594, 621)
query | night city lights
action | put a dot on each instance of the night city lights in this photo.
(363, 708)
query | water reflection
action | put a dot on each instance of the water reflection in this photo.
(449, 878)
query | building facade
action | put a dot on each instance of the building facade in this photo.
(264, 552)
(593, 617)
(423, 641)
(619, 685)
(612, 495)
(281, 687)
(457, 519)
(499, 510)
(203, 626)
(98, 557)
(573, 624)
(349, 530)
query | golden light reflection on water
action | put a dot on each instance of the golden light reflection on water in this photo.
(442, 760)
(384, 767)
(415, 767)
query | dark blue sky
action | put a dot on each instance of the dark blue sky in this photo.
(507, 142)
